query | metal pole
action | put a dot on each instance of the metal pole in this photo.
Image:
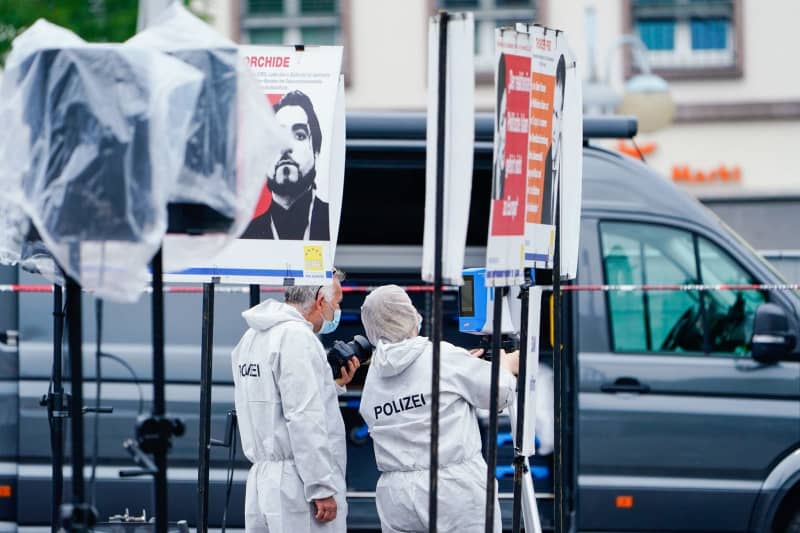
(437, 273)
(569, 391)
(491, 460)
(255, 295)
(519, 458)
(569, 353)
(561, 391)
(206, 365)
(57, 406)
(98, 372)
(159, 402)
(74, 331)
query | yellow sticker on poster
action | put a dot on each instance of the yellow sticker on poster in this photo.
(312, 256)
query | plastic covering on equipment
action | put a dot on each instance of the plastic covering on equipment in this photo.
(93, 143)
(233, 139)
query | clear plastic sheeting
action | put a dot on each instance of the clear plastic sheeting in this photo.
(233, 140)
(93, 143)
(37, 259)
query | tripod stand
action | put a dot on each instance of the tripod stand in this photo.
(530, 511)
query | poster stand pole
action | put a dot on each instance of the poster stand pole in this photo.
(491, 459)
(55, 404)
(437, 272)
(519, 459)
(154, 432)
(79, 515)
(204, 432)
(561, 390)
(206, 378)
(159, 399)
(255, 295)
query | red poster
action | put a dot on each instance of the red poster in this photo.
(511, 144)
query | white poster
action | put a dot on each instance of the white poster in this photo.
(459, 140)
(532, 370)
(572, 169)
(291, 237)
(506, 243)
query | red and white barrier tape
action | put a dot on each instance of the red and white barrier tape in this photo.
(243, 289)
(228, 289)
(682, 288)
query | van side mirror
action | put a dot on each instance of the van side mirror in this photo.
(773, 339)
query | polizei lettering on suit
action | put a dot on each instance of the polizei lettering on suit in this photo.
(399, 405)
(252, 370)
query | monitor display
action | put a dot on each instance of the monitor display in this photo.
(467, 297)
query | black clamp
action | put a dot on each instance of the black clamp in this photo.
(520, 466)
(78, 517)
(154, 433)
(9, 337)
(153, 436)
(59, 405)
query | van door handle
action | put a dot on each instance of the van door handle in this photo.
(625, 384)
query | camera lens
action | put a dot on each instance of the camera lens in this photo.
(341, 352)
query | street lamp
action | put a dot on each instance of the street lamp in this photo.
(645, 95)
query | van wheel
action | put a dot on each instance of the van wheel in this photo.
(794, 524)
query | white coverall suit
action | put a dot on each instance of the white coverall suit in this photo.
(396, 404)
(289, 422)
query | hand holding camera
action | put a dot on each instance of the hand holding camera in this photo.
(344, 358)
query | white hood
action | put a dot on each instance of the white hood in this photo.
(390, 359)
(270, 313)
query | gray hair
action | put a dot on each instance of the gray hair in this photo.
(304, 296)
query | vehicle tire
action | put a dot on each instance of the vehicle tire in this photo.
(793, 526)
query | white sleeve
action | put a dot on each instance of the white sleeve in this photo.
(296, 376)
(471, 378)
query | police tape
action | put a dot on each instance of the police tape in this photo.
(225, 289)
(243, 289)
(689, 287)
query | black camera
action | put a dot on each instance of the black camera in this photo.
(341, 352)
(508, 343)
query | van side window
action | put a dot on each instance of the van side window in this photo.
(653, 321)
(729, 313)
(717, 322)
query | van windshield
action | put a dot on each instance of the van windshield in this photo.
(779, 277)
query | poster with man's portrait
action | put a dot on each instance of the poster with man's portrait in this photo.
(505, 247)
(292, 234)
(549, 58)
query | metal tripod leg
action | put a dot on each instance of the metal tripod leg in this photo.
(530, 511)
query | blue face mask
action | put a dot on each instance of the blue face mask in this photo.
(329, 326)
(419, 325)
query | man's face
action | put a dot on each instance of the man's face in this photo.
(501, 128)
(291, 172)
(558, 112)
(326, 309)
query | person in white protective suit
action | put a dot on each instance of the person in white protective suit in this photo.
(396, 405)
(288, 413)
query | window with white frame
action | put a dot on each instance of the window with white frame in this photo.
(687, 34)
(308, 22)
(491, 14)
